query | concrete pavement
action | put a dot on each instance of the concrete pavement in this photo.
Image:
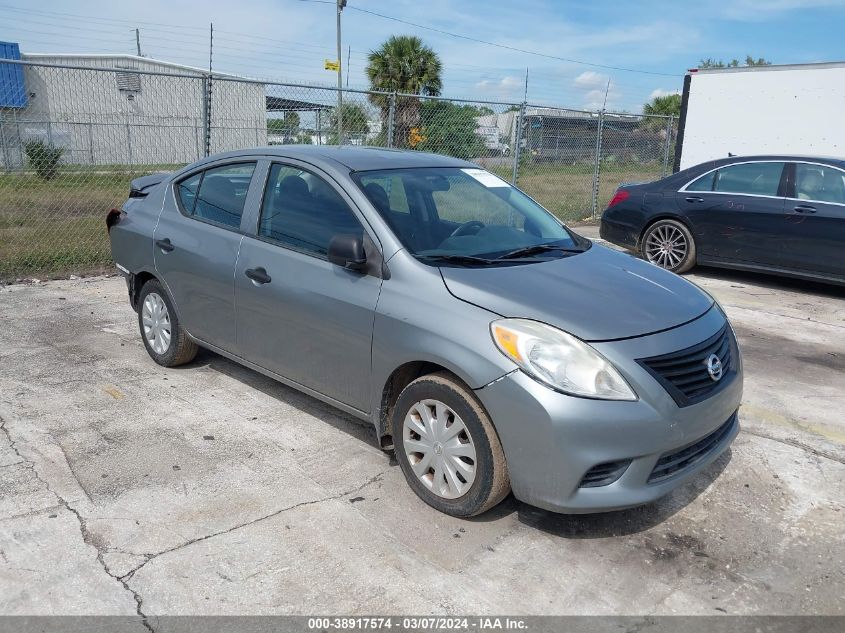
(210, 489)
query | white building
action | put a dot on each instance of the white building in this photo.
(123, 116)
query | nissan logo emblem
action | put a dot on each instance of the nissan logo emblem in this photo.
(714, 367)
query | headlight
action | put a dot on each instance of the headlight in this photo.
(559, 360)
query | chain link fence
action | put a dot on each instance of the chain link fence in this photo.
(72, 137)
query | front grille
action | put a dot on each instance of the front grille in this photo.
(673, 463)
(684, 373)
(604, 474)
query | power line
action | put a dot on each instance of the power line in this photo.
(511, 48)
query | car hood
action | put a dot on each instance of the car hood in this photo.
(597, 295)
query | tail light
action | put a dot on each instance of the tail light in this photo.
(621, 195)
(112, 218)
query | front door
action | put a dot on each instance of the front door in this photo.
(299, 315)
(815, 219)
(196, 245)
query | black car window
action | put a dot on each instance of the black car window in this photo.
(705, 183)
(821, 183)
(216, 195)
(302, 210)
(759, 179)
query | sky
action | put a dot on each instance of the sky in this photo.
(577, 54)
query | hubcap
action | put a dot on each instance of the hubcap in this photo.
(439, 448)
(156, 321)
(666, 246)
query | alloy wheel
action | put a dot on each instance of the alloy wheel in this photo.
(666, 246)
(156, 321)
(439, 448)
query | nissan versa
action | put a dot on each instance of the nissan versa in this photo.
(492, 348)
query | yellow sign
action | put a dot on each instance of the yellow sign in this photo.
(330, 65)
(415, 136)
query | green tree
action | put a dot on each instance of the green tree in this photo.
(288, 124)
(356, 123)
(734, 63)
(405, 64)
(450, 129)
(664, 105)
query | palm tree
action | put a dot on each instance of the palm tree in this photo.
(403, 64)
(664, 105)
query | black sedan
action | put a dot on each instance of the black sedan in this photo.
(777, 214)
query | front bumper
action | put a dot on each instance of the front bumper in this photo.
(552, 440)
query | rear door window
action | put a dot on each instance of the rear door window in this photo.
(758, 179)
(186, 192)
(820, 183)
(217, 195)
(705, 183)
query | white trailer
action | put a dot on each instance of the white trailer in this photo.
(790, 109)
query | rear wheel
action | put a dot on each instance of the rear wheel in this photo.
(670, 245)
(447, 447)
(166, 341)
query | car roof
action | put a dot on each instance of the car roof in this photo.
(354, 158)
(833, 160)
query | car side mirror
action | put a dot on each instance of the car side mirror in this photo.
(347, 251)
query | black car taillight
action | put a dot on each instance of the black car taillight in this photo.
(620, 196)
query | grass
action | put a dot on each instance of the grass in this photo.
(567, 190)
(57, 227)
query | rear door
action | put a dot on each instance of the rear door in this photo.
(814, 222)
(735, 211)
(299, 315)
(196, 244)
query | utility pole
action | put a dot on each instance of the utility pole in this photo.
(525, 96)
(138, 41)
(340, 5)
(348, 63)
(209, 90)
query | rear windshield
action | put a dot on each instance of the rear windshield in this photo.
(448, 212)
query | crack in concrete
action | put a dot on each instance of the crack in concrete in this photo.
(128, 575)
(87, 537)
(70, 467)
(796, 444)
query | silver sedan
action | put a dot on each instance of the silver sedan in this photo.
(492, 348)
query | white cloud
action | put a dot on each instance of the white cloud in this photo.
(752, 10)
(597, 91)
(508, 87)
(590, 79)
(660, 92)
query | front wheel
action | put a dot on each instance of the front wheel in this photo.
(447, 447)
(670, 245)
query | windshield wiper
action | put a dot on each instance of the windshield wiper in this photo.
(527, 251)
(459, 259)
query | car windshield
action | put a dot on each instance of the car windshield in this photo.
(465, 217)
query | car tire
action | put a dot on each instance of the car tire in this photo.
(670, 245)
(166, 341)
(467, 474)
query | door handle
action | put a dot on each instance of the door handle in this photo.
(694, 199)
(165, 245)
(258, 275)
(805, 208)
